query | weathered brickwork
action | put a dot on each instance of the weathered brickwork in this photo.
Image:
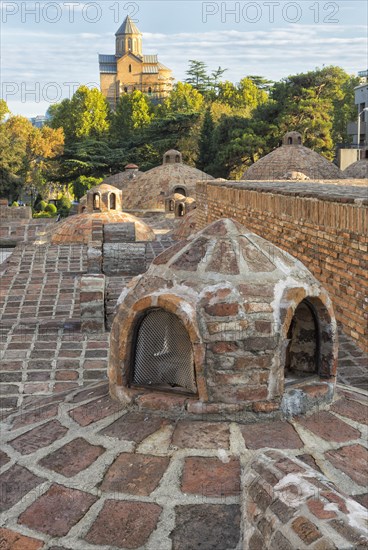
(323, 226)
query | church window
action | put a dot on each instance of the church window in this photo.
(129, 43)
(150, 90)
(130, 68)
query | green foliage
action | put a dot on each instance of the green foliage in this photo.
(206, 142)
(41, 206)
(43, 215)
(15, 204)
(86, 115)
(184, 98)
(4, 109)
(83, 184)
(133, 113)
(63, 206)
(50, 208)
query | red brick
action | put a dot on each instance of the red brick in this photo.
(10, 540)
(124, 524)
(276, 434)
(222, 310)
(72, 458)
(39, 437)
(329, 427)
(201, 435)
(15, 483)
(337, 499)
(135, 474)
(351, 409)
(66, 375)
(57, 511)
(95, 411)
(210, 477)
(224, 347)
(161, 402)
(134, 427)
(305, 530)
(317, 508)
(352, 460)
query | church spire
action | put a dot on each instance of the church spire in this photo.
(128, 39)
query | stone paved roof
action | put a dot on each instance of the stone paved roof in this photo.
(358, 170)
(295, 158)
(80, 472)
(78, 228)
(121, 179)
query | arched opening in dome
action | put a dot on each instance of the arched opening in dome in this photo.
(309, 351)
(96, 201)
(290, 140)
(126, 90)
(171, 206)
(162, 353)
(180, 210)
(177, 158)
(112, 201)
(180, 191)
(299, 140)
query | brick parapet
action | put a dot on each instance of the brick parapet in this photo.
(323, 226)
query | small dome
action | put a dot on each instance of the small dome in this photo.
(78, 228)
(131, 167)
(172, 157)
(221, 316)
(357, 170)
(186, 227)
(292, 138)
(292, 156)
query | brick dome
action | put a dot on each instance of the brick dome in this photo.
(292, 156)
(357, 170)
(78, 228)
(186, 227)
(120, 180)
(249, 318)
(149, 190)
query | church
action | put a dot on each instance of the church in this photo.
(130, 70)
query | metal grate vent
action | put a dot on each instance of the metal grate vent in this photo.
(163, 353)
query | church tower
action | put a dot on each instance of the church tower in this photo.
(129, 69)
(128, 39)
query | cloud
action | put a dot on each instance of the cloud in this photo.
(72, 57)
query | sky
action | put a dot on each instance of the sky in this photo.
(49, 48)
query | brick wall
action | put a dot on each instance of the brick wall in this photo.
(324, 226)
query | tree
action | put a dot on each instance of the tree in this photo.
(83, 184)
(206, 149)
(85, 115)
(133, 113)
(4, 109)
(197, 75)
(184, 98)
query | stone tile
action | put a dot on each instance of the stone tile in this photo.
(351, 409)
(57, 511)
(329, 427)
(95, 410)
(10, 540)
(308, 459)
(72, 458)
(210, 477)
(277, 435)
(100, 391)
(135, 474)
(4, 459)
(39, 437)
(134, 427)
(201, 435)
(362, 499)
(14, 484)
(37, 415)
(352, 460)
(206, 527)
(124, 524)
